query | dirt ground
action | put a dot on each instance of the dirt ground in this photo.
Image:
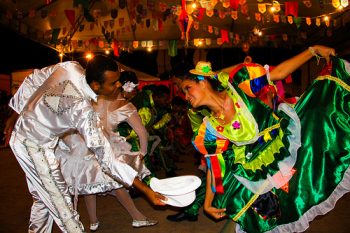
(16, 203)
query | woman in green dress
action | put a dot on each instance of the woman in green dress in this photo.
(271, 168)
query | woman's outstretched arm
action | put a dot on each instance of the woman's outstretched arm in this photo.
(287, 67)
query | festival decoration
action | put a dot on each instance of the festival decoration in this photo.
(307, 3)
(185, 22)
(135, 44)
(277, 6)
(291, 8)
(245, 47)
(262, 8)
(154, 15)
(344, 3)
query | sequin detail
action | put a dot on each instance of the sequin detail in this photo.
(62, 97)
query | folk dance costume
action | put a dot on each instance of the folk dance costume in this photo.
(51, 102)
(80, 168)
(275, 171)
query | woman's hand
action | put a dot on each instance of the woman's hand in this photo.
(324, 51)
(215, 213)
(209, 196)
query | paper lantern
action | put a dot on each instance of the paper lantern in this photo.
(245, 47)
(135, 44)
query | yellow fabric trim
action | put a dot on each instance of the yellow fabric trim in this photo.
(276, 126)
(145, 114)
(250, 202)
(335, 79)
(245, 208)
(275, 116)
(162, 122)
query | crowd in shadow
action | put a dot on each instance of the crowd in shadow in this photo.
(5, 112)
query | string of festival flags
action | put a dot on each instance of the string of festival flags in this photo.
(188, 16)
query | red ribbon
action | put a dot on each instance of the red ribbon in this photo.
(216, 169)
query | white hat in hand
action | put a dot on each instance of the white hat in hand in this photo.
(179, 190)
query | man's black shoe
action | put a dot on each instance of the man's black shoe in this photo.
(182, 216)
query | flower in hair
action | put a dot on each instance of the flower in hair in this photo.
(129, 86)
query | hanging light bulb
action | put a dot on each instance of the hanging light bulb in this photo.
(326, 18)
(272, 9)
(149, 49)
(107, 52)
(61, 54)
(89, 56)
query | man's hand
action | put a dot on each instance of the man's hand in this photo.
(153, 197)
(157, 198)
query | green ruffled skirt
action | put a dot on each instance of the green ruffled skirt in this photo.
(322, 173)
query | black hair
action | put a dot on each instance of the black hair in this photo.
(150, 87)
(213, 81)
(161, 91)
(97, 66)
(178, 101)
(128, 76)
(180, 70)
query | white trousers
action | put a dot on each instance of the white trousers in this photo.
(51, 200)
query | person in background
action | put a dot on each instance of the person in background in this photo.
(162, 108)
(152, 103)
(271, 169)
(5, 113)
(49, 103)
(179, 128)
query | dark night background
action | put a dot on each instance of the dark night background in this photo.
(19, 53)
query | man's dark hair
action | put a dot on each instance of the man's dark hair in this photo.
(128, 76)
(161, 91)
(97, 66)
(178, 101)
